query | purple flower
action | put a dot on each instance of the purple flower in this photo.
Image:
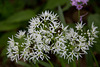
(79, 3)
(79, 7)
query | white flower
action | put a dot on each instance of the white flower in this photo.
(72, 35)
(13, 50)
(38, 38)
(35, 22)
(31, 29)
(36, 55)
(25, 54)
(81, 39)
(28, 41)
(11, 42)
(91, 41)
(79, 26)
(78, 55)
(83, 47)
(20, 34)
(88, 32)
(63, 54)
(48, 16)
(71, 54)
(93, 31)
(64, 28)
(47, 40)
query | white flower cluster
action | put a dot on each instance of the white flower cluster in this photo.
(47, 35)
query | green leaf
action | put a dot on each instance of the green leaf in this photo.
(3, 45)
(23, 64)
(62, 61)
(45, 64)
(97, 44)
(67, 6)
(94, 58)
(89, 59)
(6, 26)
(61, 16)
(94, 18)
(54, 3)
(32, 64)
(71, 25)
(21, 16)
(15, 21)
(4, 51)
(63, 64)
(4, 38)
(4, 9)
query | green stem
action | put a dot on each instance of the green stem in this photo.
(94, 58)
(73, 64)
(79, 62)
(37, 65)
(78, 15)
(62, 62)
(50, 63)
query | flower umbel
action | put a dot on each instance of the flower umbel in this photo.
(79, 3)
(47, 35)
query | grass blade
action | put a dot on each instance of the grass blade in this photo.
(61, 16)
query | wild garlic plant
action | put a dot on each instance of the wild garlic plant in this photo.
(46, 34)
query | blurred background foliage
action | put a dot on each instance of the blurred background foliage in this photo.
(15, 14)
